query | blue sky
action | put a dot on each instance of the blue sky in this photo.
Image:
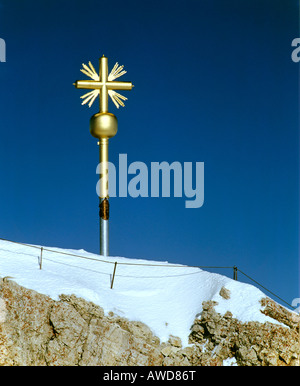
(214, 83)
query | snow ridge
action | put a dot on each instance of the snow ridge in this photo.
(165, 297)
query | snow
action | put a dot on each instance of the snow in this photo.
(230, 362)
(164, 296)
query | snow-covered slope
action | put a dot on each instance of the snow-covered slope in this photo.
(165, 297)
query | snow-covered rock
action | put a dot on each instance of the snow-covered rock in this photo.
(166, 297)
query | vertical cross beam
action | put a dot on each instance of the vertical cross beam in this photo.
(103, 71)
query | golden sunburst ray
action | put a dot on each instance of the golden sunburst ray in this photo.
(116, 72)
(89, 97)
(117, 98)
(90, 71)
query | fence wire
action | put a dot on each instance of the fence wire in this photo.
(235, 269)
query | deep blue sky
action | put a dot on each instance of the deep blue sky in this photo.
(214, 83)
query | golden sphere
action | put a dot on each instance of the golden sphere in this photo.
(103, 125)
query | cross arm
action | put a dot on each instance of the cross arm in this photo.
(90, 84)
(119, 85)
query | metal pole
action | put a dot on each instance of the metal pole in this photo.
(234, 273)
(104, 237)
(104, 203)
(41, 258)
(113, 277)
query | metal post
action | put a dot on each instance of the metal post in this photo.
(113, 277)
(41, 257)
(234, 273)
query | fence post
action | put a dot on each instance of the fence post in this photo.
(234, 273)
(113, 277)
(41, 257)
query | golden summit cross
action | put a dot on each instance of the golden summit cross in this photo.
(103, 125)
(103, 84)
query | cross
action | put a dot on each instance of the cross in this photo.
(103, 84)
(103, 126)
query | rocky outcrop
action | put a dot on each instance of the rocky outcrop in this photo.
(40, 331)
(279, 313)
(252, 343)
(36, 330)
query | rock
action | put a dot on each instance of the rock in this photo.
(166, 351)
(175, 341)
(228, 315)
(225, 293)
(247, 356)
(35, 330)
(40, 331)
(252, 343)
(280, 313)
